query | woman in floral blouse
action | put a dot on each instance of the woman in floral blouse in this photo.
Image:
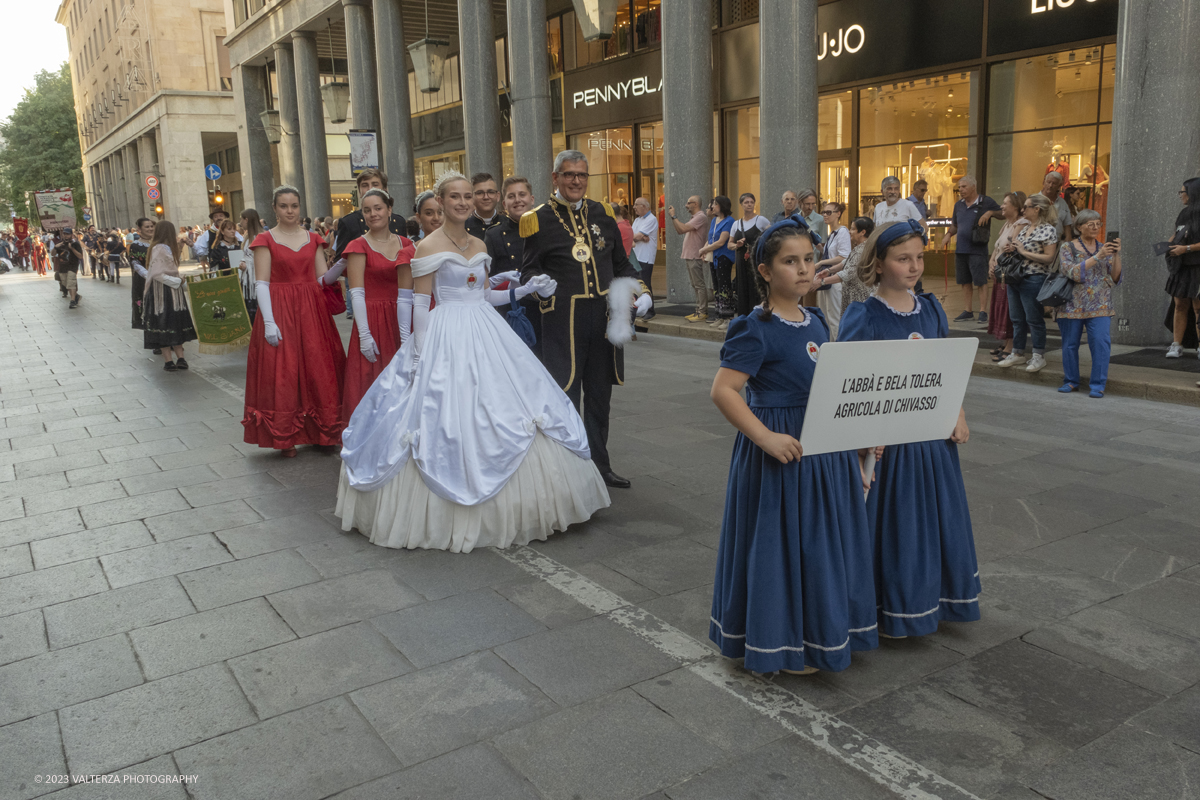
(1036, 244)
(1095, 267)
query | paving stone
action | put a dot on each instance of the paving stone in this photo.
(438, 573)
(782, 770)
(1171, 602)
(106, 472)
(190, 458)
(51, 466)
(235, 581)
(153, 433)
(222, 491)
(628, 590)
(1174, 719)
(33, 487)
(64, 677)
(137, 427)
(668, 567)
(439, 709)
(543, 602)
(21, 636)
(300, 673)
(897, 662)
(99, 515)
(1062, 700)
(81, 421)
(350, 551)
(163, 765)
(585, 660)
(282, 503)
(116, 611)
(434, 632)
(28, 529)
(207, 637)
(714, 715)
(39, 440)
(168, 479)
(23, 430)
(277, 534)
(46, 587)
(73, 497)
(690, 611)
(159, 717)
(261, 761)
(90, 544)
(91, 444)
(338, 601)
(1123, 764)
(612, 747)
(1039, 589)
(14, 456)
(15, 560)
(470, 773)
(208, 519)
(995, 626)
(12, 508)
(29, 751)
(1111, 557)
(166, 558)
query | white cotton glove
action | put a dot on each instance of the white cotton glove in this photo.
(404, 313)
(542, 284)
(644, 304)
(262, 289)
(366, 342)
(333, 273)
(512, 276)
(420, 323)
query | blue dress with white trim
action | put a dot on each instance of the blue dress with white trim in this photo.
(925, 566)
(794, 584)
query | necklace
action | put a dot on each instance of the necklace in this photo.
(378, 241)
(581, 251)
(462, 248)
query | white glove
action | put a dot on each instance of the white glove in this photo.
(496, 280)
(420, 322)
(262, 289)
(366, 342)
(544, 285)
(404, 313)
(644, 303)
(333, 273)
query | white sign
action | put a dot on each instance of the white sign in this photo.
(364, 151)
(635, 87)
(866, 394)
(1038, 6)
(848, 40)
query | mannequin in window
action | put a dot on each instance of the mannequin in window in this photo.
(1097, 179)
(1061, 164)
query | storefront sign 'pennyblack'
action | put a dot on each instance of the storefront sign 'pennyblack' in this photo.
(615, 93)
(635, 87)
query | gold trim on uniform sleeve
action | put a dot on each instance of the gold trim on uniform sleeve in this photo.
(546, 304)
(529, 223)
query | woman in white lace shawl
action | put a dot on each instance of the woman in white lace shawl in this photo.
(164, 306)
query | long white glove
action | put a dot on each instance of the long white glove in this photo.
(420, 322)
(404, 313)
(542, 284)
(644, 303)
(499, 278)
(366, 342)
(333, 273)
(172, 281)
(262, 289)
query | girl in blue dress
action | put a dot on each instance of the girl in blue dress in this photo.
(925, 567)
(794, 589)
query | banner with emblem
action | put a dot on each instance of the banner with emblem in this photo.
(56, 209)
(866, 394)
(218, 313)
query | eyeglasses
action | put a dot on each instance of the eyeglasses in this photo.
(573, 176)
(487, 193)
(828, 212)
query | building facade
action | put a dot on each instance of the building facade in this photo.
(154, 105)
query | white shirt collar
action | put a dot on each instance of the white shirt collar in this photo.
(575, 206)
(490, 219)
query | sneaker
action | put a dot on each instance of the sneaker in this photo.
(723, 325)
(73, 304)
(982, 317)
(1013, 360)
(695, 318)
(964, 316)
(1175, 350)
(1036, 364)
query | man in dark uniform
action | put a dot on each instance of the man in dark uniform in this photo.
(506, 247)
(576, 242)
(486, 196)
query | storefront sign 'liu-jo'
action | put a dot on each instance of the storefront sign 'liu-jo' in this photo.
(848, 40)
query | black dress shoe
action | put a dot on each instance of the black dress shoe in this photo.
(615, 481)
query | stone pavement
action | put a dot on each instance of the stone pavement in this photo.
(175, 603)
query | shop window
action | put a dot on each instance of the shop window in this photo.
(940, 164)
(741, 152)
(933, 108)
(610, 163)
(1050, 91)
(834, 115)
(554, 45)
(621, 41)
(1021, 161)
(647, 23)
(1108, 80)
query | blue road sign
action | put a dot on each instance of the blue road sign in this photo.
(212, 172)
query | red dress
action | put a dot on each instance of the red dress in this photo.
(382, 288)
(294, 391)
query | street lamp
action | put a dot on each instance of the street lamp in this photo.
(428, 57)
(271, 125)
(337, 93)
(596, 18)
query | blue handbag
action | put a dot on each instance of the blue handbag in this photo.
(517, 320)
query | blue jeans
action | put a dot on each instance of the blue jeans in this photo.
(1026, 314)
(1099, 342)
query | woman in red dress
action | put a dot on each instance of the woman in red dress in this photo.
(295, 365)
(381, 296)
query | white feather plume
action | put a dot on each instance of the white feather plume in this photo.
(621, 293)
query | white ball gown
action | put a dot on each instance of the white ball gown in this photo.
(476, 447)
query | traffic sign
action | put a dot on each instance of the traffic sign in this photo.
(87, 217)
(151, 181)
(87, 211)
(153, 194)
(212, 172)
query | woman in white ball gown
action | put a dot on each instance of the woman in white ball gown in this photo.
(464, 440)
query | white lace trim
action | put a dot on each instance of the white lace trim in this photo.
(916, 304)
(802, 324)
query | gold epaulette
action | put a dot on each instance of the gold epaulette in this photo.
(529, 223)
(609, 210)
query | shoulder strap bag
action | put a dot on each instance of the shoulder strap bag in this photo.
(1058, 289)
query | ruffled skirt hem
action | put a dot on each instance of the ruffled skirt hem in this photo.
(281, 430)
(551, 490)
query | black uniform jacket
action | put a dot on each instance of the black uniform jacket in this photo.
(549, 232)
(505, 245)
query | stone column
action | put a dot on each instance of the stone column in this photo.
(250, 89)
(313, 154)
(291, 164)
(121, 185)
(787, 111)
(530, 94)
(395, 129)
(1156, 147)
(147, 165)
(481, 101)
(134, 189)
(687, 123)
(99, 201)
(364, 94)
(111, 209)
